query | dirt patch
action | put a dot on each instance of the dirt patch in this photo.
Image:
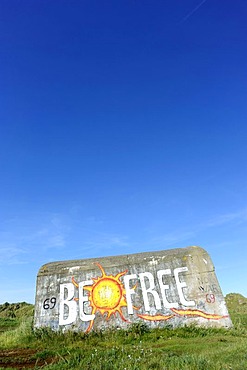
(24, 358)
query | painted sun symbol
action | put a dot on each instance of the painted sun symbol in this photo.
(107, 295)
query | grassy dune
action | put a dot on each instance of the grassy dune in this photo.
(189, 348)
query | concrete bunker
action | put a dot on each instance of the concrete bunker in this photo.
(175, 287)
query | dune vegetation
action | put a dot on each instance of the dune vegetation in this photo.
(191, 347)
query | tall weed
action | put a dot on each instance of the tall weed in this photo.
(19, 336)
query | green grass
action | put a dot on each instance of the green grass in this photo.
(7, 324)
(188, 348)
(11, 315)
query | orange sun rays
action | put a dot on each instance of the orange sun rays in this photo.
(106, 295)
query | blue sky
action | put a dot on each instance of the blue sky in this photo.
(122, 130)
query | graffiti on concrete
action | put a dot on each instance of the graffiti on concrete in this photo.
(108, 295)
(176, 287)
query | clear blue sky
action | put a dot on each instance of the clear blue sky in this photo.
(123, 128)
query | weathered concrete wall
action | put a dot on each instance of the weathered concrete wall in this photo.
(174, 287)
